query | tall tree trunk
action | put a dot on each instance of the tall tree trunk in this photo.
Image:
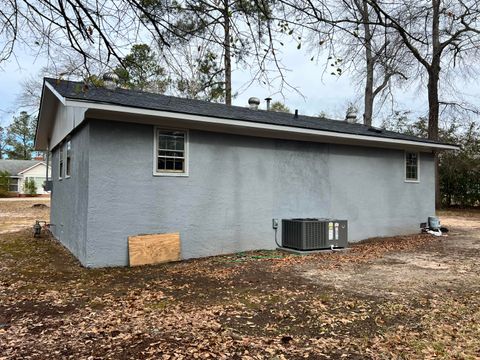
(433, 102)
(368, 102)
(433, 114)
(227, 58)
(433, 99)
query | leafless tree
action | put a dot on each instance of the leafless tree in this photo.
(105, 29)
(440, 35)
(355, 41)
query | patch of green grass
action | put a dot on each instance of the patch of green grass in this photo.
(325, 298)
(253, 256)
(439, 348)
(159, 305)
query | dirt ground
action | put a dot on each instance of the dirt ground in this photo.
(18, 213)
(406, 297)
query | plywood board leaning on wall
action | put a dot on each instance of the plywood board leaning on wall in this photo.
(153, 248)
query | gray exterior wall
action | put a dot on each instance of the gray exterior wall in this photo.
(69, 198)
(236, 185)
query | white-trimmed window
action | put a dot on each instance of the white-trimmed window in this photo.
(171, 151)
(13, 185)
(60, 162)
(68, 161)
(412, 168)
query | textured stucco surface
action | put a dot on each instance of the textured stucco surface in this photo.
(236, 185)
(69, 199)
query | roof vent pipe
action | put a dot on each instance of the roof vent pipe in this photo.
(253, 102)
(296, 114)
(268, 99)
(110, 80)
(351, 116)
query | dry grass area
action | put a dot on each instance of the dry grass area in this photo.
(409, 297)
(17, 213)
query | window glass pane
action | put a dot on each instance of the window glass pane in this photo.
(170, 143)
(171, 151)
(162, 142)
(13, 185)
(60, 161)
(69, 159)
(178, 165)
(180, 143)
(69, 167)
(169, 164)
(161, 164)
(411, 166)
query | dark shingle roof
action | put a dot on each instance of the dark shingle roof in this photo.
(144, 100)
(13, 167)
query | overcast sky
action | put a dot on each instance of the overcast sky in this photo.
(321, 92)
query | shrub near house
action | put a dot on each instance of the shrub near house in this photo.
(4, 183)
(29, 187)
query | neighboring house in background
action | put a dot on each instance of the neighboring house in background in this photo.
(128, 162)
(21, 170)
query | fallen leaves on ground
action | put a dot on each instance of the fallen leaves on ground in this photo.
(245, 306)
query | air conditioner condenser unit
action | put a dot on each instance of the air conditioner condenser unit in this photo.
(314, 234)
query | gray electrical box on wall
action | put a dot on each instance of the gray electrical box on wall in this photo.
(314, 234)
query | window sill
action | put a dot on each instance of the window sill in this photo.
(412, 181)
(170, 174)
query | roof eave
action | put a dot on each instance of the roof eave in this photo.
(324, 134)
(48, 100)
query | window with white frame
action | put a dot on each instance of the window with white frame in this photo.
(13, 185)
(60, 162)
(68, 162)
(411, 166)
(171, 151)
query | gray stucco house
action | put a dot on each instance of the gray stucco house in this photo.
(127, 162)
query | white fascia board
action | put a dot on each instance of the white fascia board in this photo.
(45, 119)
(255, 125)
(32, 167)
(55, 92)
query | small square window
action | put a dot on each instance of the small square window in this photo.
(411, 166)
(171, 152)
